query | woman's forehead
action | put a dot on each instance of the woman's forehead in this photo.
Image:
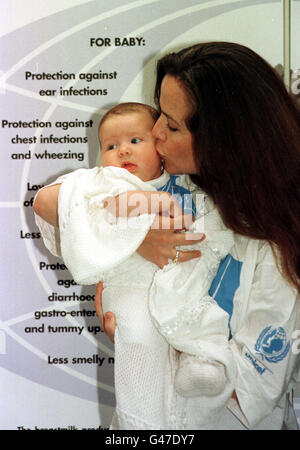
(174, 102)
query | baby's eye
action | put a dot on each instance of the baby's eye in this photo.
(111, 147)
(135, 140)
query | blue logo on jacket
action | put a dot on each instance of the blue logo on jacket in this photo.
(272, 344)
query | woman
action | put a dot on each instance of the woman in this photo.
(227, 119)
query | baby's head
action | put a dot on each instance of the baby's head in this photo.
(125, 135)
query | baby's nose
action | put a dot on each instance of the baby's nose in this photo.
(124, 149)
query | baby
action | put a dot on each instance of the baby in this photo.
(100, 230)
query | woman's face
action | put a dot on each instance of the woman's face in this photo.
(174, 142)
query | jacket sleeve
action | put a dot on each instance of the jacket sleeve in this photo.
(262, 346)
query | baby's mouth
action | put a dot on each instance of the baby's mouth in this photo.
(129, 166)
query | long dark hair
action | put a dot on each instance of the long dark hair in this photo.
(246, 134)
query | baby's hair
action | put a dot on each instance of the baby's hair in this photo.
(129, 107)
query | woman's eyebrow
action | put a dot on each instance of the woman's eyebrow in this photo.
(169, 117)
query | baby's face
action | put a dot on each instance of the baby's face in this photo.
(127, 142)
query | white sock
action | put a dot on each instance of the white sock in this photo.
(196, 377)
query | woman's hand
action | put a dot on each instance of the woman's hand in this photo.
(107, 323)
(164, 237)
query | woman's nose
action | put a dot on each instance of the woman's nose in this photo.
(158, 132)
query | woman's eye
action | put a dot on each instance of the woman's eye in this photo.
(171, 128)
(135, 140)
(111, 147)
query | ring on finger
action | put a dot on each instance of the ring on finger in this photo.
(176, 259)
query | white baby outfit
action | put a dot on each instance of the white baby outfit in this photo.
(96, 246)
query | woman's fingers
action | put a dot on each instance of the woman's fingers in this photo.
(188, 255)
(181, 239)
(182, 257)
(172, 223)
(180, 223)
(187, 238)
(165, 236)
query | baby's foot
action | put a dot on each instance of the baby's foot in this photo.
(195, 377)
